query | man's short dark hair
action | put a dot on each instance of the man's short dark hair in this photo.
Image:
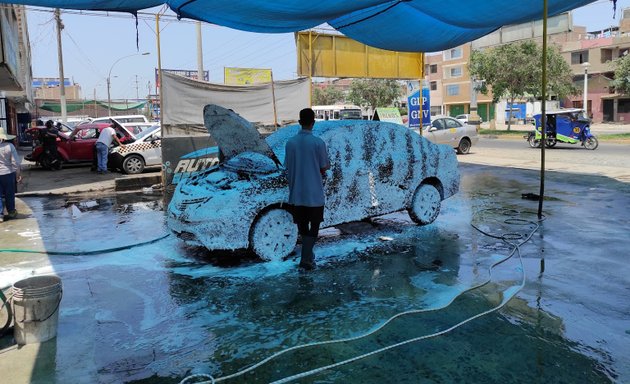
(307, 116)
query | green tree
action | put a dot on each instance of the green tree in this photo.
(622, 75)
(514, 71)
(327, 96)
(374, 92)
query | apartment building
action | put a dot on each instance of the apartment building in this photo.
(592, 57)
(591, 52)
(450, 84)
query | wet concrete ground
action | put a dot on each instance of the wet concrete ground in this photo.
(158, 312)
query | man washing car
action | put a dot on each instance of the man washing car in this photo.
(306, 162)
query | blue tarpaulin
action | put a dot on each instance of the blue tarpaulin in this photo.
(401, 25)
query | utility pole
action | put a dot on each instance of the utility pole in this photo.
(200, 76)
(137, 95)
(62, 80)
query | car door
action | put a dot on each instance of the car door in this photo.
(81, 144)
(437, 132)
(454, 131)
(153, 153)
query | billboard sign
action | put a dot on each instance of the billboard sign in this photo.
(245, 76)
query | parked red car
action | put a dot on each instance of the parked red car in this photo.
(77, 147)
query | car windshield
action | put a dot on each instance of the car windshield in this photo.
(147, 132)
(350, 114)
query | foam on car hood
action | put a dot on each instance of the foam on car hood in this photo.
(233, 134)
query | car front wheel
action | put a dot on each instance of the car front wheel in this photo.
(425, 204)
(133, 164)
(273, 235)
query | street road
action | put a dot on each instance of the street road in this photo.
(609, 159)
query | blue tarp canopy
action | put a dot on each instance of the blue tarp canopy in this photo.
(401, 25)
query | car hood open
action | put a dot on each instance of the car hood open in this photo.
(234, 134)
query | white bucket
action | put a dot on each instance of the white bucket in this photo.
(36, 308)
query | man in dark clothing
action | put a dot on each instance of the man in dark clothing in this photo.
(306, 162)
(49, 140)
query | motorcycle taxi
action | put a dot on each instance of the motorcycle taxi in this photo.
(563, 126)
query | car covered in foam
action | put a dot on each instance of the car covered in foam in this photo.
(376, 168)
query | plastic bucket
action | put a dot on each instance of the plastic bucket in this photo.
(36, 308)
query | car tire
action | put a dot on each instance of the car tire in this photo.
(591, 143)
(133, 164)
(273, 235)
(533, 142)
(425, 204)
(464, 146)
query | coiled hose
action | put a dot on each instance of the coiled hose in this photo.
(515, 240)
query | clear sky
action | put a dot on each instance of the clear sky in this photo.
(93, 42)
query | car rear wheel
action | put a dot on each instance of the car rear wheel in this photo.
(550, 142)
(133, 164)
(273, 235)
(464, 146)
(425, 204)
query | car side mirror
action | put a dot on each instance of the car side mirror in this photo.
(432, 129)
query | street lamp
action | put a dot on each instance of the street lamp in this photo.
(109, 98)
(585, 93)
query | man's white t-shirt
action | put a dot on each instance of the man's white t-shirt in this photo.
(106, 136)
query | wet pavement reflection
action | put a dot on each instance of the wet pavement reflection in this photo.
(159, 312)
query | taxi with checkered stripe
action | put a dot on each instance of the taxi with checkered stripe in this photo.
(146, 151)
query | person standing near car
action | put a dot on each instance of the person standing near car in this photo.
(49, 139)
(306, 161)
(9, 175)
(105, 139)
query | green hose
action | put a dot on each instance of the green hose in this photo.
(81, 253)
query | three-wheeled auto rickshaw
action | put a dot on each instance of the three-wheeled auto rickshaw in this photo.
(563, 126)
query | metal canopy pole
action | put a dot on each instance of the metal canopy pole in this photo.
(543, 117)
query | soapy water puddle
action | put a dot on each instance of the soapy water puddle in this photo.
(160, 312)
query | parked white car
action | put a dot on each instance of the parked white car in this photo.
(145, 151)
(450, 131)
(376, 168)
(465, 117)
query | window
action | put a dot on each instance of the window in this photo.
(579, 57)
(452, 90)
(452, 54)
(606, 55)
(623, 52)
(439, 124)
(624, 106)
(452, 123)
(456, 72)
(433, 68)
(433, 85)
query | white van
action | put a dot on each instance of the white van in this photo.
(337, 112)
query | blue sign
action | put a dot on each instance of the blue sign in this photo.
(413, 104)
(426, 107)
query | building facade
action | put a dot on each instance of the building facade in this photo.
(16, 98)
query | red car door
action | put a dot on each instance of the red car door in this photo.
(81, 143)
